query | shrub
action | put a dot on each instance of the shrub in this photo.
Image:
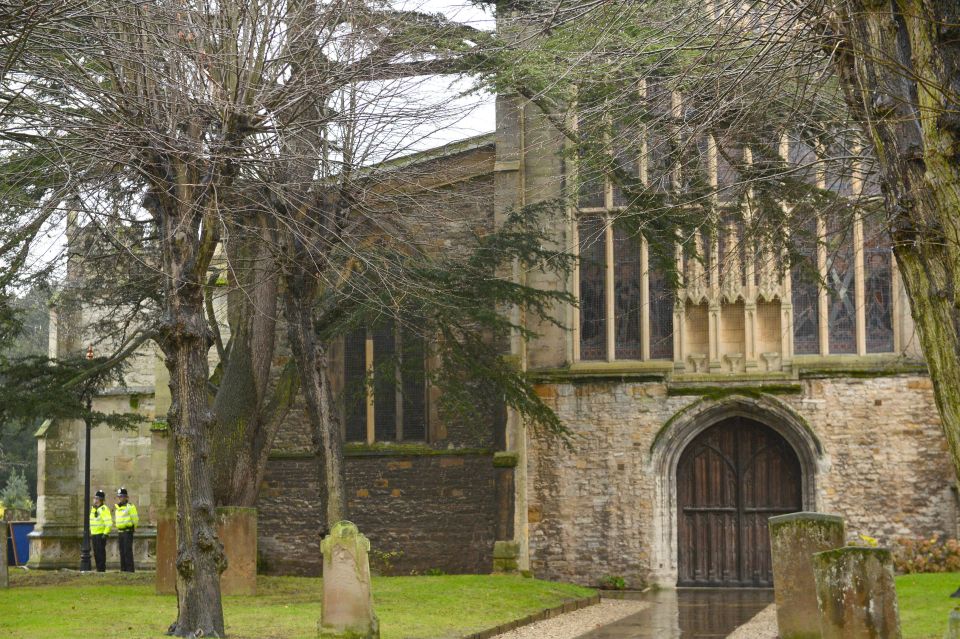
(16, 495)
(933, 554)
(613, 582)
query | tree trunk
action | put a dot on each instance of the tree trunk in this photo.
(313, 363)
(185, 341)
(900, 67)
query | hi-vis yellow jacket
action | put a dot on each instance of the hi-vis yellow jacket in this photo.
(126, 516)
(100, 520)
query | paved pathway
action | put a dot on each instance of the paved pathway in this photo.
(690, 613)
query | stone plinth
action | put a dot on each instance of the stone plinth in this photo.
(856, 593)
(506, 557)
(794, 539)
(347, 596)
(237, 530)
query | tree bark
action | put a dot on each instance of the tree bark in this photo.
(899, 63)
(187, 248)
(313, 363)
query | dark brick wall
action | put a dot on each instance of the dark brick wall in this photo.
(439, 511)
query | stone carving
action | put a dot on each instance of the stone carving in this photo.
(856, 593)
(794, 539)
(347, 596)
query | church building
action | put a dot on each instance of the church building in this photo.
(696, 413)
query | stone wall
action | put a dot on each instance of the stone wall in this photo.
(883, 466)
(433, 511)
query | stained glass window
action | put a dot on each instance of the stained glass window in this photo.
(878, 288)
(661, 296)
(591, 181)
(354, 385)
(805, 279)
(841, 308)
(626, 293)
(593, 320)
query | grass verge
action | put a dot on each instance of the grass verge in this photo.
(925, 603)
(69, 605)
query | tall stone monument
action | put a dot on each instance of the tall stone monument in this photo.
(794, 539)
(347, 595)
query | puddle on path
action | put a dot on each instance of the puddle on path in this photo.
(688, 613)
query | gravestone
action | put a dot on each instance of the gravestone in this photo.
(794, 539)
(856, 593)
(953, 625)
(347, 596)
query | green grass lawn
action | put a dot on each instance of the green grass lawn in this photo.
(68, 605)
(925, 603)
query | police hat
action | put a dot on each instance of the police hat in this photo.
(121, 491)
(100, 494)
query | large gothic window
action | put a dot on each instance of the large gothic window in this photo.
(878, 288)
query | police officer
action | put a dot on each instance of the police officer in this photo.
(100, 525)
(125, 519)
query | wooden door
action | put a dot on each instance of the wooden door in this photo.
(730, 480)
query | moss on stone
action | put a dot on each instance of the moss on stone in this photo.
(505, 459)
(805, 520)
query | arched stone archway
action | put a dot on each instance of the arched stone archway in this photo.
(684, 427)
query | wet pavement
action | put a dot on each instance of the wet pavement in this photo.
(688, 613)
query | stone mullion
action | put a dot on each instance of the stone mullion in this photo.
(786, 299)
(858, 293)
(679, 325)
(823, 309)
(750, 325)
(609, 283)
(371, 413)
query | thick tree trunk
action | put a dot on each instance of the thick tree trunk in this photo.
(185, 339)
(251, 400)
(313, 363)
(900, 67)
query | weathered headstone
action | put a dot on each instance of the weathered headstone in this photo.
(856, 593)
(4, 577)
(347, 595)
(794, 539)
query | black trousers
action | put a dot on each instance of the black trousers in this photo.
(126, 550)
(99, 543)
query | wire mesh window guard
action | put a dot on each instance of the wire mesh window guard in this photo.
(805, 284)
(626, 300)
(354, 385)
(661, 314)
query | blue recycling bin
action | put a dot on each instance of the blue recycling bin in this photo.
(18, 547)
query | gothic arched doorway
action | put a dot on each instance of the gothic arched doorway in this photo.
(730, 479)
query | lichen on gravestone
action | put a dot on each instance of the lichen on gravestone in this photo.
(347, 595)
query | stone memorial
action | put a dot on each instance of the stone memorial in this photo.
(856, 594)
(347, 595)
(794, 539)
(953, 624)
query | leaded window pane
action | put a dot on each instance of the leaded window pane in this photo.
(878, 289)
(385, 383)
(354, 385)
(626, 296)
(593, 318)
(591, 182)
(841, 305)
(804, 277)
(627, 147)
(414, 388)
(661, 297)
(659, 139)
